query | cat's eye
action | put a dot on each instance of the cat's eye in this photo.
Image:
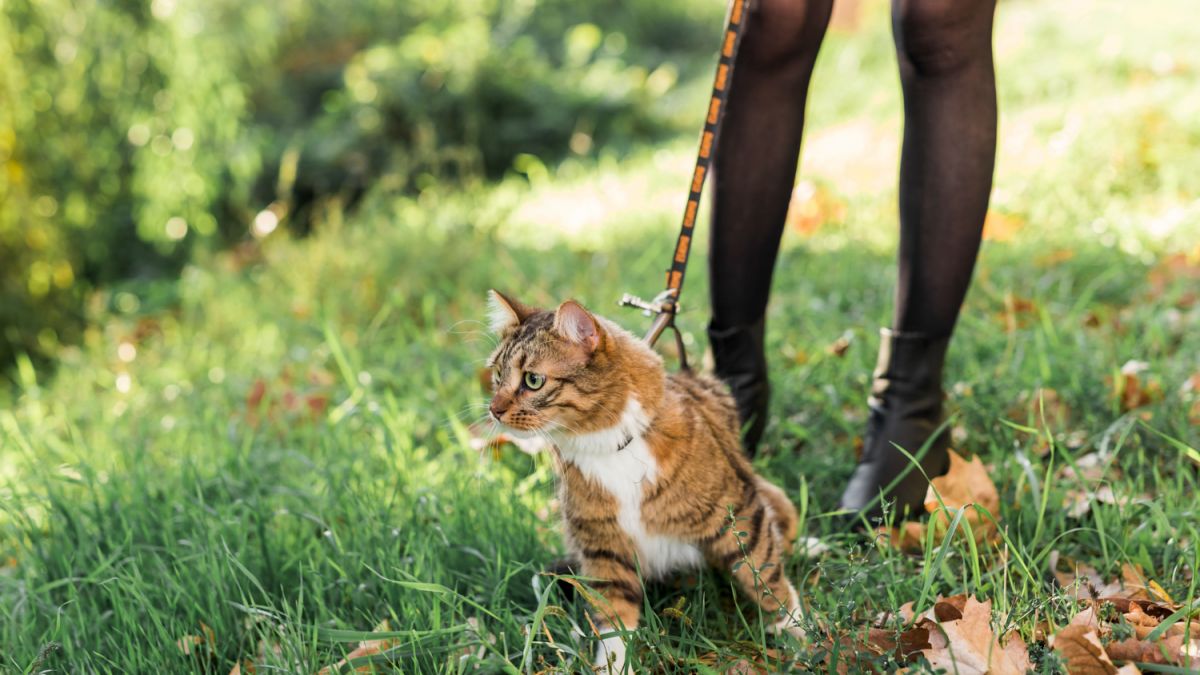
(534, 381)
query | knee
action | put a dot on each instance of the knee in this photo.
(784, 33)
(937, 37)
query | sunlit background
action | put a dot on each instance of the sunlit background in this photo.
(244, 248)
(136, 134)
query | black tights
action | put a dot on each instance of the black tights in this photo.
(944, 49)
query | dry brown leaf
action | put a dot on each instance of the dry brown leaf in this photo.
(1092, 468)
(1167, 651)
(909, 536)
(967, 644)
(1055, 257)
(1082, 651)
(1017, 652)
(840, 346)
(1017, 312)
(198, 644)
(1143, 605)
(1078, 502)
(902, 645)
(1031, 404)
(365, 648)
(812, 206)
(1133, 388)
(1172, 268)
(1089, 585)
(966, 483)
(1141, 587)
(285, 399)
(1190, 386)
(999, 226)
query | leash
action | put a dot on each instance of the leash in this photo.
(665, 305)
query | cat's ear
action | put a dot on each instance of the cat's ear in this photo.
(504, 313)
(576, 324)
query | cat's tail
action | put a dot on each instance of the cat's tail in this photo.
(782, 509)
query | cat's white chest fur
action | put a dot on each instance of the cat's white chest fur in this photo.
(625, 474)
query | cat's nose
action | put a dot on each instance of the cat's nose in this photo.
(497, 409)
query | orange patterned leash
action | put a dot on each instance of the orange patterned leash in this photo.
(666, 304)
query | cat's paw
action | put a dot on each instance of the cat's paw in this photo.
(610, 656)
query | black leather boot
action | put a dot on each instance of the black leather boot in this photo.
(906, 409)
(741, 362)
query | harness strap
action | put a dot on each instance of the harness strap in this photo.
(667, 302)
(734, 29)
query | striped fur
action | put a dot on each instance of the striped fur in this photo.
(653, 478)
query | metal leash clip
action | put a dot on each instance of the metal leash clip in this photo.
(663, 308)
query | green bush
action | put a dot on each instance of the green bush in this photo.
(134, 131)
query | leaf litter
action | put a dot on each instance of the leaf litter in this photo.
(1119, 621)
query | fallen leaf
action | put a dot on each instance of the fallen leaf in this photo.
(1177, 267)
(1055, 257)
(284, 398)
(908, 536)
(812, 206)
(1133, 577)
(1092, 467)
(967, 644)
(1017, 312)
(901, 644)
(1132, 388)
(1190, 386)
(1088, 584)
(1044, 402)
(365, 648)
(1167, 651)
(1000, 227)
(967, 483)
(1017, 652)
(1078, 502)
(197, 644)
(1082, 651)
(840, 346)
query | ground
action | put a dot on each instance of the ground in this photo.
(264, 462)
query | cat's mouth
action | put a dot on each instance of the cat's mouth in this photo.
(510, 429)
(517, 432)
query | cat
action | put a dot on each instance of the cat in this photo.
(650, 464)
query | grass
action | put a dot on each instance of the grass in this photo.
(275, 447)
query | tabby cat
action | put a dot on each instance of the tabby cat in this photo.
(651, 467)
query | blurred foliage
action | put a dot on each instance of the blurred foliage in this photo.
(132, 132)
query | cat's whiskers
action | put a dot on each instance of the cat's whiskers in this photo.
(485, 332)
(461, 413)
